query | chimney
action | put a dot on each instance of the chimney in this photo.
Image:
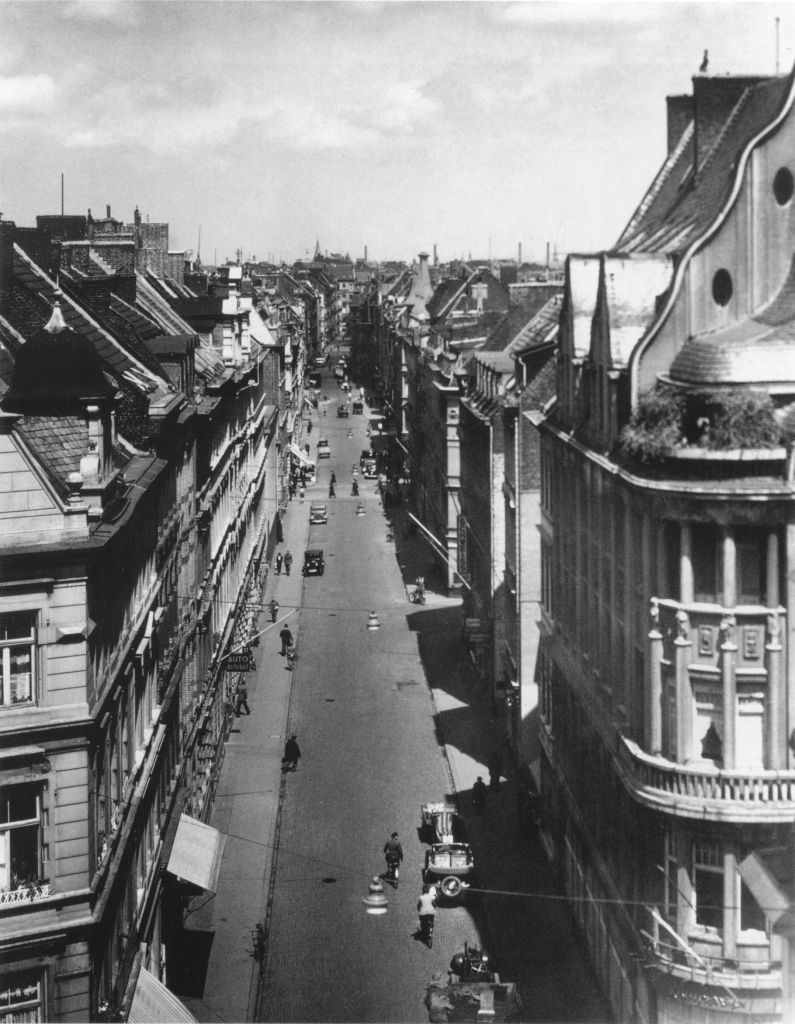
(365, 254)
(7, 232)
(519, 260)
(108, 209)
(435, 257)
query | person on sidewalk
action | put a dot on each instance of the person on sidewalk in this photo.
(286, 638)
(479, 794)
(288, 561)
(290, 654)
(393, 854)
(278, 563)
(331, 492)
(355, 489)
(333, 477)
(242, 699)
(292, 754)
(426, 908)
(274, 609)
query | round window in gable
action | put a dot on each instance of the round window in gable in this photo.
(722, 287)
(783, 186)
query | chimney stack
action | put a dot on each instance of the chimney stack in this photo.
(365, 254)
(7, 232)
(435, 257)
(520, 254)
(108, 209)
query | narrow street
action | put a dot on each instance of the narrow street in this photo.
(385, 723)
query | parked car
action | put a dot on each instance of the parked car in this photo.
(314, 563)
(369, 469)
(317, 513)
(323, 449)
(320, 361)
(451, 868)
(358, 408)
(342, 411)
(367, 453)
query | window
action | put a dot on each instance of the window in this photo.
(704, 552)
(751, 547)
(783, 186)
(20, 817)
(671, 883)
(722, 287)
(708, 886)
(21, 997)
(752, 917)
(17, 652)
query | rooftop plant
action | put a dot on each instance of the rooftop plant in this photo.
(666, 419)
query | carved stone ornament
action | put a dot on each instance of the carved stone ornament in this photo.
(682, 625)
(773, 629)
(727, 624)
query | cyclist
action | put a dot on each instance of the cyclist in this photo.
(393, 852)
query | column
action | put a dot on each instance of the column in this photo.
(684, 695)
(731, 906)
(728, 661)
(775, 742)
(685, 564)
(729, 554)
(654, 691)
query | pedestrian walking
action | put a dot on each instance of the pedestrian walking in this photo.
(274, 609)
(290, 655)
(288, 561)
(279, 563)
(426, 908)
(291, 489)
(292, 754)
(479, 794)
(355, 489)
(286, 638)
(331, 492)
(242, 699)
(393, 854)
(301, 496)
(333, 477)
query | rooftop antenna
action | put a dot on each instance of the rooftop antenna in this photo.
(62, 175)
(777, 44)
(199, 246)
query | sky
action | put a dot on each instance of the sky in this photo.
(387, 127)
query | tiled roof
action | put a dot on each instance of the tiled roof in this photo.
(540, 329)
(32, 278)
(679, 206)
(543, 386)
(156, 308)
(58, 442)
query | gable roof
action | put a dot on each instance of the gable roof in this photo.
(684, 200)
(541, 329)
(630, 287)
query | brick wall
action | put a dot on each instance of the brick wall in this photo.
(41, 248)
(118, 254)
(175, 266)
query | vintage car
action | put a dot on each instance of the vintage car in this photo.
(367, 453)
(370, 469)
(323, 449)
(342, 411)
(450, 867)
(317, 513)
(358, 408)
(314, 563)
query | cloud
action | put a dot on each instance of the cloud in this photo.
(26, 94)
(118, 12)
(404, 107)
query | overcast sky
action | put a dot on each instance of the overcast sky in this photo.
(396, 126)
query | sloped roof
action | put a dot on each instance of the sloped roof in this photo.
(543, 385)
(58, 442)
(540, 329)
(680, 205)
(582, 286)
(152, 304)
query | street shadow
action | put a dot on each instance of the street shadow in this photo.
(187, 963)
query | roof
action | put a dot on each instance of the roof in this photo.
(632, 287)
(759, 350)
(58, 442)
(540, 329)
(683, 200)
(582, 281)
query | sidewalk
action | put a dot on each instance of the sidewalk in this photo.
(247, 804)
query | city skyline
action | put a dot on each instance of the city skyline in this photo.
(270, 127)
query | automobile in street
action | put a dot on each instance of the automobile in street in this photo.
(339, 373)
(441, 823)
(358, 408)
(450, 867)
(369, 469)
(323, 448)
(317, 513)
(342, 411)
(314, 562)
(367, 453)
(320, 361)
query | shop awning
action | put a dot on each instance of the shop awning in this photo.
(153, 1003)
(196, 853)
(301, 456)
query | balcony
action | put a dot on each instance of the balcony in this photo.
(704, 792)
(24, 894)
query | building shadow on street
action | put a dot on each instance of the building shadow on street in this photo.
(188, 961)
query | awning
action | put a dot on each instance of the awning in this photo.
(301, 456)
(153, 1003)
(196, 853)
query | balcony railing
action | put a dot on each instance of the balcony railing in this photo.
(24, 894)
(765, 793)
